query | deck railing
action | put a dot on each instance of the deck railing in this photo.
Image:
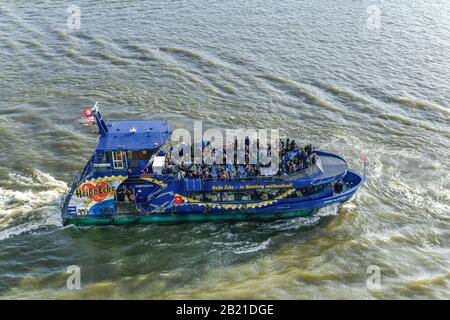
(73, 185)
(78, 178)
(309, 171)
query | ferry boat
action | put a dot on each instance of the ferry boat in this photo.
(130, 178)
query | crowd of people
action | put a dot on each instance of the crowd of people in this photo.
(292, 158)
(295, 158)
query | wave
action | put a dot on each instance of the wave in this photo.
(410, 122)
(141, 49)
(421, 104)
(181, 52)
(194, 60)
(113, 58)
(76, 55)
(34, 205)
(254, 247)
(341, 91)
(332, 210)
(298, 90)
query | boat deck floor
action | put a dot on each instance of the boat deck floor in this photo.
(331, 165)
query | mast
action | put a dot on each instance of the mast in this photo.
(102, 129)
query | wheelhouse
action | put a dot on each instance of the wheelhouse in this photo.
(126, 147)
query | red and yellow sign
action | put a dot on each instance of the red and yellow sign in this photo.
(97, 192)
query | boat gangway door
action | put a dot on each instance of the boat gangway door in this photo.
(193, 184)
(158, 164)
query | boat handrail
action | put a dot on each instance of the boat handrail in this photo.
(73, 185)
(102, 165)
(298, 174)
(154, 194)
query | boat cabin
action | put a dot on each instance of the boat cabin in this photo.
(125, 147)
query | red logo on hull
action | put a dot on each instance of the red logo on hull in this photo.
(97, 192)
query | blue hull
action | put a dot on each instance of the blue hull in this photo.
(183, 213)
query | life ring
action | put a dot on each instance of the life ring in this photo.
(178, 199)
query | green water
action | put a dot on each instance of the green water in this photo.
(319, 71)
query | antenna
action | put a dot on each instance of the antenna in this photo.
(102, 129)
(363, 157)
(95, 107)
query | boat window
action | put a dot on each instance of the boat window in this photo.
(198, 196)
(133, 164)
(247, 196)
(273, 193)
(118, 160)
(253, 195)
(229, 196)
(140, 155)
(107, 157)
(268, 194)
(303, 192)
(212, 196)
(261, 195)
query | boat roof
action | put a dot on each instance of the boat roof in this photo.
(134, 135)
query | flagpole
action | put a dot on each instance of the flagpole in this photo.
(365, 162)
(363, 157)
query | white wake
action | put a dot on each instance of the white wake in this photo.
(29, 202)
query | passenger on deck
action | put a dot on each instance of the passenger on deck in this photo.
(129, 195)
(339, 186)
(292, 145)
(291, 168)
(292, 159)
(314, 159)
(120, 195)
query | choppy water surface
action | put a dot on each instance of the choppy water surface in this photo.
(317, 70)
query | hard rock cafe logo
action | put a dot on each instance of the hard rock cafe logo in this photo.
(96, 192)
